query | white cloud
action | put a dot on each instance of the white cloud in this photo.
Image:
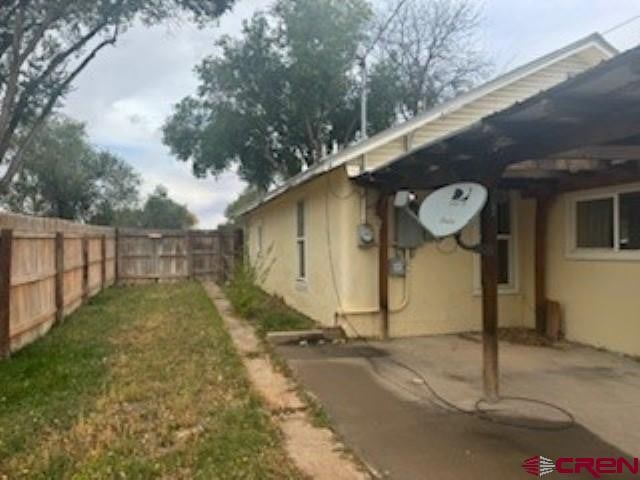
(127, 92)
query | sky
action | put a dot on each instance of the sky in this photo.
(125, 94)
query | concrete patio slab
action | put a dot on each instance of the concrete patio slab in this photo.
(388, 417)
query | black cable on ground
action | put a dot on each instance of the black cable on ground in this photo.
(477, 412)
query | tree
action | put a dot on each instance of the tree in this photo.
(46, 44)
(276, 98)
(245, 198)
(65, 176)
(426, 54)
(159, 211)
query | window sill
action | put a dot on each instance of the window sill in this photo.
(301, 284)
(506, 290)
(604, 255)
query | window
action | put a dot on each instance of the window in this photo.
(300, 240)
(605, 225)
(629, 221)
(507, 247)
(505, 260)
(594, 223)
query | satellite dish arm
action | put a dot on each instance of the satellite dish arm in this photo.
(478, 248)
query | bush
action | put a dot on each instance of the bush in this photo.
(267, 312)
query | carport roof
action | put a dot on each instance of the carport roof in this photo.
(586, 125)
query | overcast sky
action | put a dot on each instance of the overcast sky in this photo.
(125, 94)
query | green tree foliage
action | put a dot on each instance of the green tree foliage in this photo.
(65, 176)
(46, 44)
(247, 196)
(278, 96)
(159, 211)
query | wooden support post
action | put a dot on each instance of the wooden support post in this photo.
(85, 269)
(6, 246)
(103, 270)
(489, 266)
(59, 276)
(383, 265)
(542, 213)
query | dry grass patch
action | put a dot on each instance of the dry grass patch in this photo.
(141, 383)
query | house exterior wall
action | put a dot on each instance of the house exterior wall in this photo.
(444, 284)
(333, 208)
(440, 293)
(599, 297)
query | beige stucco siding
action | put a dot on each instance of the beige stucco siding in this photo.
(600, 299)
(443, 281)
(332, 211)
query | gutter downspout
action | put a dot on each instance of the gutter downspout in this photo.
(383, 264)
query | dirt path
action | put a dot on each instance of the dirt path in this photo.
(315, 451)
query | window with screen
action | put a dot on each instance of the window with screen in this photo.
(607, 224)
(594, 223)
(506, 246)
(505, 269)
(301, 240)
(629, 221)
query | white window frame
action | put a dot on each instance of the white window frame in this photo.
(572, 251)
(513, 287)
(301, 280)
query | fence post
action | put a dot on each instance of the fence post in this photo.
(238, 247)
(221, 256)
(103, 272)
(189, 241)
(6, 244)
(85, 268)
(59, 259)
(116, 248)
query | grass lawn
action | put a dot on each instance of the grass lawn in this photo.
(142, 382)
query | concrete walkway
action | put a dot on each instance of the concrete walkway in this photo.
(315, 451)
(389, 419)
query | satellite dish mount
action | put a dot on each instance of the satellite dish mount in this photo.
(448, 210)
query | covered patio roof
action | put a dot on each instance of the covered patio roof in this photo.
(581, 133)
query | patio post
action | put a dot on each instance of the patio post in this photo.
(489, 267)
(383, 264)
(542, 213)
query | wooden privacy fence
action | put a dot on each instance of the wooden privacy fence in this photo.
(49, 267)
(164, 255)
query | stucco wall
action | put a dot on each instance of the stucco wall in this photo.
(600, 299)
(333, 208)
(443, 285)
(442, 294)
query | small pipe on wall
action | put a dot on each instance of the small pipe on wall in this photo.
(383, 264)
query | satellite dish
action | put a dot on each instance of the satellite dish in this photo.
(449, 209)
